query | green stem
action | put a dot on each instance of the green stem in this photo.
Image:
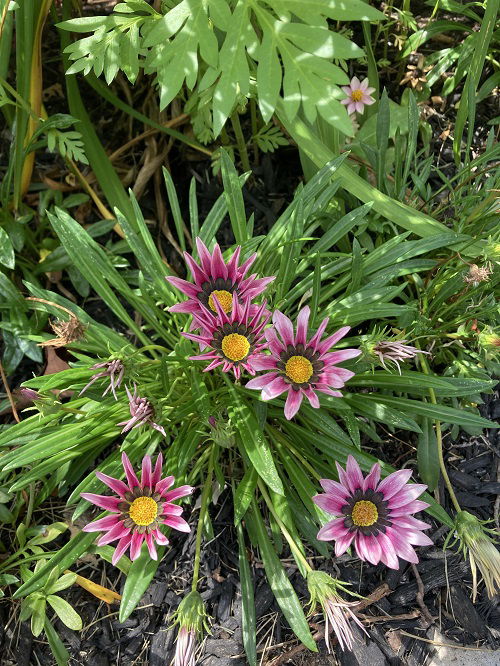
(205, 498)
(31, 502)
(439, 440)
(293, 546)
(240, 140)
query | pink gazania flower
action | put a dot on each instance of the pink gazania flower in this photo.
(185, 647)
(215, 278)
(138, 510)
(141, 413)
(338, 614)
(112, 369)
(234, 339)
(299, 366)
(358, 95)
(375, 514)
(394, 351)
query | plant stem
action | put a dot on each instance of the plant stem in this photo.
(205, 498)
(293, 546)
(439, 440)
(240, 140)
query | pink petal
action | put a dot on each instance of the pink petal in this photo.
(342, 544)
(116, 532)
(407, 509)
(401, 546)
(181, 491)
(292, 404)
(334, 488)
(333, 339)
(415, 537)
(324, 389)
(103, 501)
(117, 486)
(367, 100)
(355, 83)
(364, 84)
(406, 495)
(219, 268)
(157, 471)
(275, 388)
(198, 274)
(261, 362)
(121, 547)
(313, 342)
(394, 482)
(161, 539)
(132, 479)
(347, 90)
(302, 323)
(329, 504)
(177, 523)
(359, 106)
(274, 344)
(284, 327)
(388, 554)
(205, 256)
(261, 382)
(146, 472)
(411, 523)
(342, 355)
(351, 108)
(312, 397)
(172, 509)
(102, 524)
(151, 546)
(186, 287)
(135, 545)
(368, 548)
(371, 481)
(163, 485)
(354, 474)
(335, 529)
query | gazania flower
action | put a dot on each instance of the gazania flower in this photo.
(214, 279)
(138, 510)
(141, 412)
(482, 551)
(234, 338)
(299, 366)
(375, 514)
(185, 647)
(395, 351)
(112, 369)
(324, 590)
(358, 95)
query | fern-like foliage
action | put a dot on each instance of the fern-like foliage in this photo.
(220, 48)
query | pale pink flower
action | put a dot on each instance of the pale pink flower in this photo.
(394, 351)
(338, 614)
(185, 647)
(299, 366)
(374, 514)
(138, 510)
(358, 95)
(112, 369)
(141, 413)
(233, 338)
(214, 278)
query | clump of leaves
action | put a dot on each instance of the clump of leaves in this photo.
(221, 47)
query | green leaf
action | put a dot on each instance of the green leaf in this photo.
(244, 494)
(66, 580)
(140, 576)
(248, 622)
(65, 612)
(7, 257)
(282, 588)
(37, 616)
(427, 455)
(253, 441)
(61, 654)
(437, 412)
(234, 198)
(63, 559)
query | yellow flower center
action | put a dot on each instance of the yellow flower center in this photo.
(364, 513)
(225, 300)
(299, 369)
(235, 346)
(357, 95)
(143, 510)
